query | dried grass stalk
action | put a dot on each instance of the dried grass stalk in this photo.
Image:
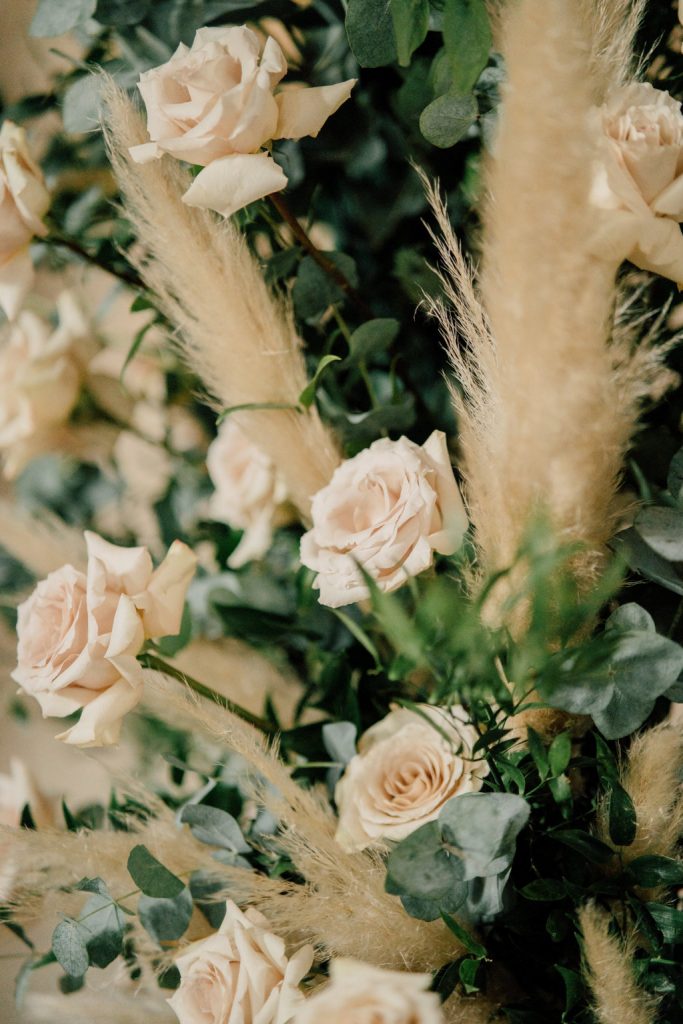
(233, 332)
(651, 775)
(607, 969)
(547, 402)
(42, 543)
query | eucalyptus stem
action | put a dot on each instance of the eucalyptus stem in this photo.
(128, 277)
(153, 661)
(323, 261)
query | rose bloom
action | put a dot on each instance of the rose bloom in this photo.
(41, 369)
(638, 183)
(389, 508)
(250, 492)
(407, 767)
(24, 201)
(239, 975)
(79, 634)
(358, 992)
(214, 104)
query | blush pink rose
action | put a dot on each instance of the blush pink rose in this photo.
(250, 492)
(358, 992)
(407, 767)
(79, 634)
(24, 201)
(389, 509)
(638, 181)
(240, 974)
(215, 105)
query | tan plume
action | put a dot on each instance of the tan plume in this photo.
(238, 338)
(42, 542)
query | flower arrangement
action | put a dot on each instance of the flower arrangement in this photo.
(349, 509)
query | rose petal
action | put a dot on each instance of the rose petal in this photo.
(304, 111)
(100, 721)
(231, 183)
(163, 600)
(16, 279)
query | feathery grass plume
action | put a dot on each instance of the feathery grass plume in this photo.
(342, 908)
(611, 27)
(607, 970)
(40, 542)
(233, 332)
(87, 1006)
(548, 402)
(651, 775)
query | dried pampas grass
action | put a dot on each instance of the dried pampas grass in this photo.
(233, 332)
(651, 775)
(109, 1006)
(547, 400)
(40, 542)
(607, 969)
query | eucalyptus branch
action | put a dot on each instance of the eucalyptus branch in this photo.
(323, 261)
(150, 660)
(57, 239)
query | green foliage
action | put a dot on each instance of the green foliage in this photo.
(151, 877)
(166, 920)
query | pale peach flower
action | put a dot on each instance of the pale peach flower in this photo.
(215, 105)
(359, 992)
(638, 181)
(250, 492)
(407, 767)
(41, 371)
(240, 974)
(79, 634)
(389, 509)
(18, 790)
(24, 201)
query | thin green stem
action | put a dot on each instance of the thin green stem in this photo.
(128, 277)
(153, 661)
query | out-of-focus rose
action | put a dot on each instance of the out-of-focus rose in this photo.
(240, 975)
(79, 634)
(250, 492)
(359, 992)
(389, 508)
(24, 201)
(638, 182)
(407, 767)
(214, 104)
(41, 369)
(17, 791)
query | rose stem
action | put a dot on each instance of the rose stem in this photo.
(320, 258)
(149, 660)
(72, 245)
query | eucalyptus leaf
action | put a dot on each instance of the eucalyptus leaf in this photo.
(102, 923)
(340, 740)
(467, 38)
(121, 12)
(166, 920)
(150, 875)
(641, 557)
(374, 337)
(662, 529)
(214, 826)
(674, 480)
(307, 396)
(448, 118)
(370, 31)
(484, 829)
(54, 17)
(630, 617)
(69, 947)
(410, 20)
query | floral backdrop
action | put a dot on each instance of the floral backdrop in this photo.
(341, 511)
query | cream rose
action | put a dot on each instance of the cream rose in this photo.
(638, 181)
(239, 975)
(78, 634)
(407, 767)
(359, 992)
(214, 104)
(250, 492)
(389, 508)
(24, 201)
(41, 369)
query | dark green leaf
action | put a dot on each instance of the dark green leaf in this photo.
(538, 752)
(464, 937)
(559, 753)
(668, 920)
(574, 988)
(307, 396)
(643, 559)
(121, 12)
(469, 969)
(166, 920)
(373, 337)
(631, 618)
(674, 480)
(69, 947)
(92, 885)
(651, 871)
(622, 816)
(448, 118)
(545, 890)
(53, 17)
(370, 32)
(410, 19)
(150, 876)
(588, 846)
(102, 923)
(467, 38)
